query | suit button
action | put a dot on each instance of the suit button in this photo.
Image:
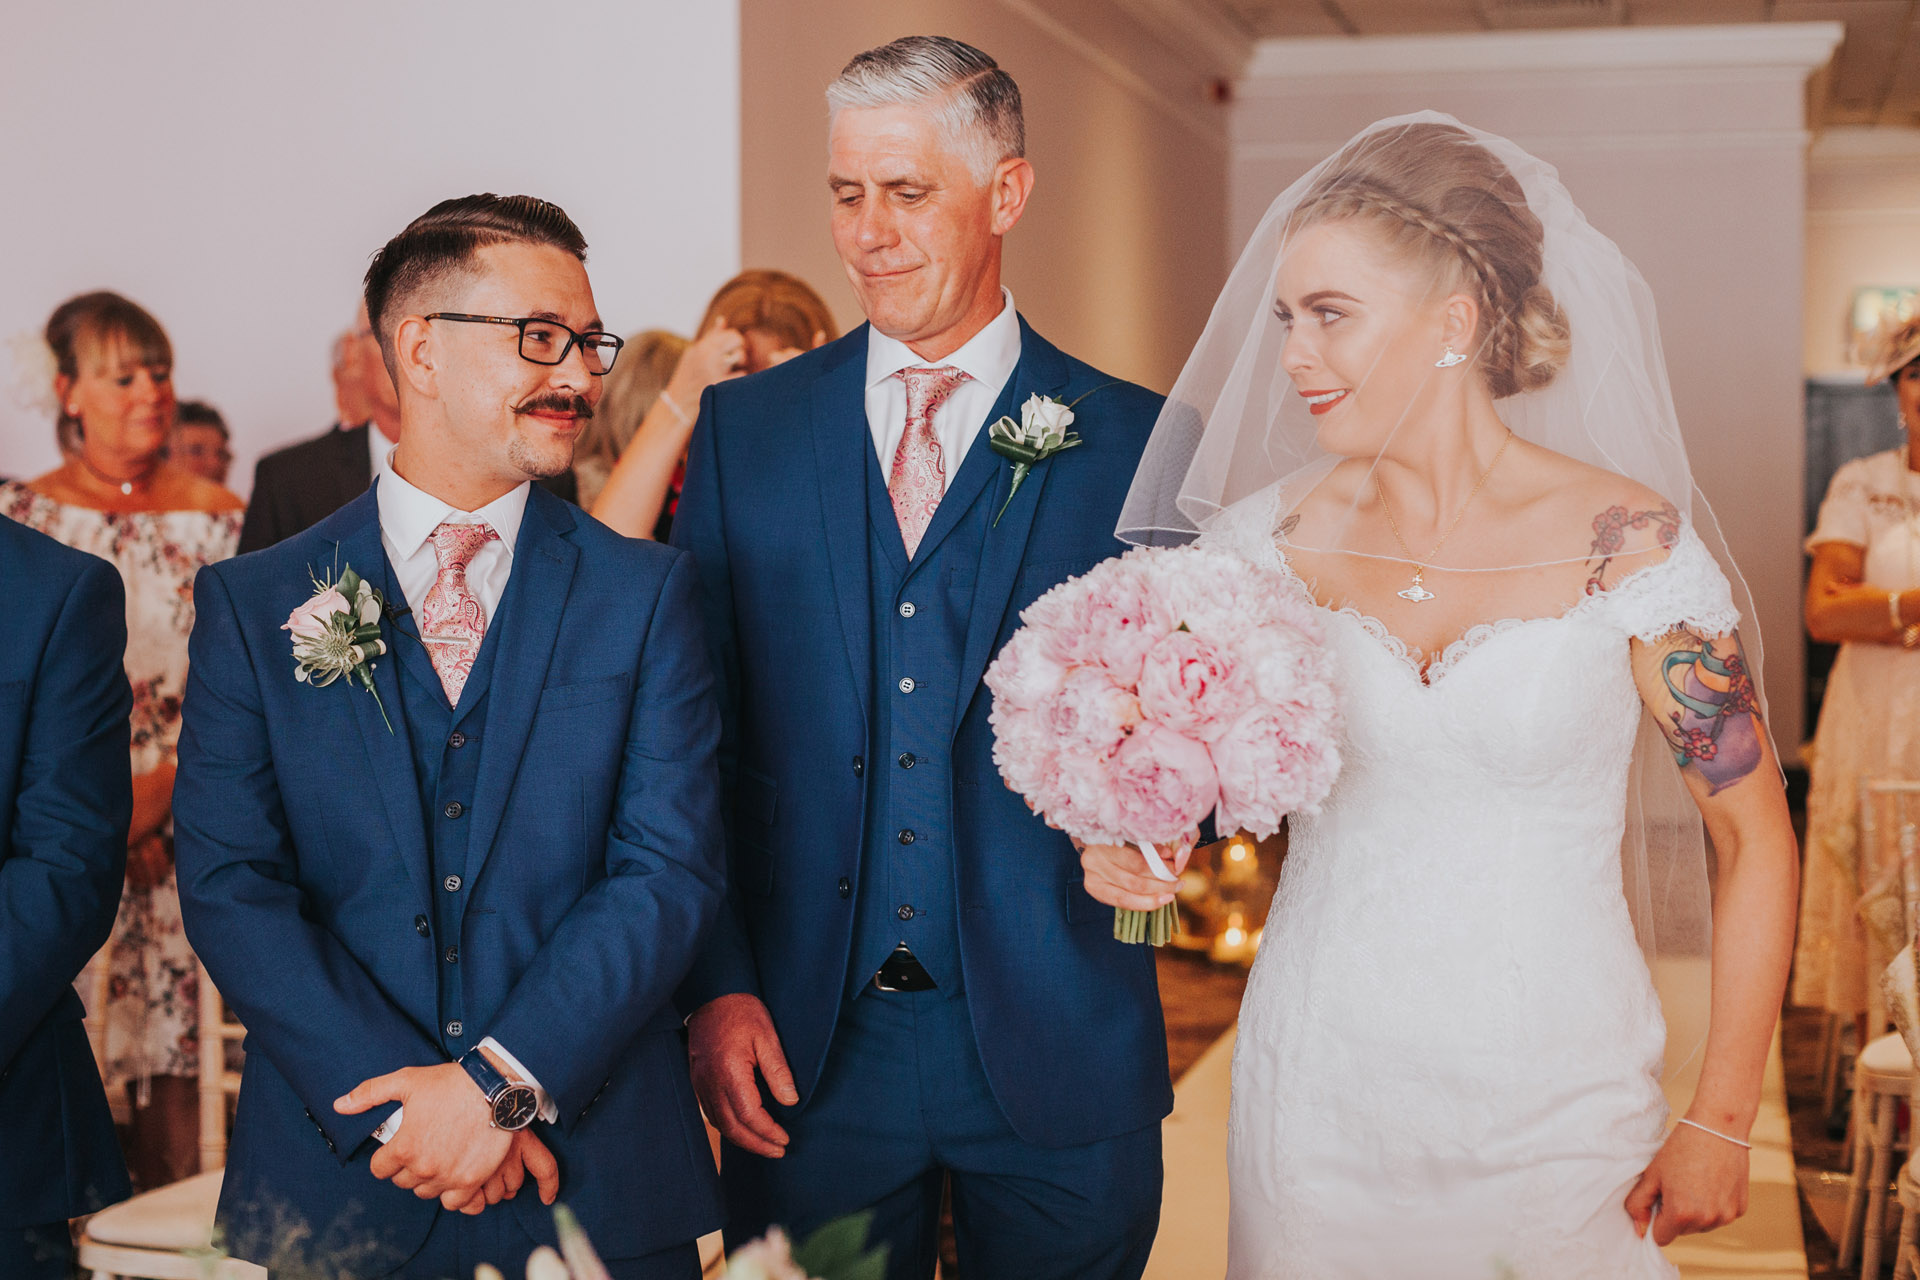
(859, 766)
(906, 684)
(905, 912)
(908, 760)
(451, 884)
(421, 927)
(454, 809)
(452, 955)
(907, 836)
(458, 740)
(906, 609)
(846, 887)
(454, 1029)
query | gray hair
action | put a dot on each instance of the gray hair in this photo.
(975, 103)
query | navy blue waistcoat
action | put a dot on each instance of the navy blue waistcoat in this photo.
(447, 742)
(918, 615)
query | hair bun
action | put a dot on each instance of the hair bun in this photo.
(1531, 346)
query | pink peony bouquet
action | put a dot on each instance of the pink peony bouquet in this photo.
(1162, 686)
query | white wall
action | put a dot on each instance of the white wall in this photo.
(1688, 147)
(231, 165)
(1863, 229)
(1121, 250)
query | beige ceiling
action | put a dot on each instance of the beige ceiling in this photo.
(1874, 79)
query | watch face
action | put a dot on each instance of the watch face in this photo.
(514, 1107)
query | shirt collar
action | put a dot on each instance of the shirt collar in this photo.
(408, 514)
(988, 357)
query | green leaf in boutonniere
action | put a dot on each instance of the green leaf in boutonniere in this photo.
(337, 633)
(1040, 433)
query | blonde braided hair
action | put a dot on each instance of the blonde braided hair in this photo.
(1459, 203)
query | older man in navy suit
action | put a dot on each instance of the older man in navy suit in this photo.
(452, 916)
(910, 962)
(66, 797)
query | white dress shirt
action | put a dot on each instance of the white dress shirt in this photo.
(988, 360)
(408, 516)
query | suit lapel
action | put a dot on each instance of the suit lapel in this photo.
(1041, 371)
(389, 750)
(841, 446)
(527, 630)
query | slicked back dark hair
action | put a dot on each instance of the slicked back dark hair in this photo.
(442, 242)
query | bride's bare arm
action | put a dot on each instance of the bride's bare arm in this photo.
(1698, 690)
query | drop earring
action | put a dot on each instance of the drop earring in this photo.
(1449, 360)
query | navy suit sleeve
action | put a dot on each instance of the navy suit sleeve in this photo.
(66, 853)
(625, 945)
(306, 1002)
(725, 964)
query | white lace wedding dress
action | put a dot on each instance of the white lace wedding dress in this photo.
(1450, 1046)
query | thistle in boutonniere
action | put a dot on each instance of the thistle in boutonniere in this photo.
(1040, 433)
(337, 633)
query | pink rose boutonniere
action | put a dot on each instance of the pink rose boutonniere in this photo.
(337, 633)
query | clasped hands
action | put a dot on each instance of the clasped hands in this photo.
(447, 1148)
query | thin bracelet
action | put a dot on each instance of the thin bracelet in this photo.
(1724, 1137)
(685, 421)
(1893, 610)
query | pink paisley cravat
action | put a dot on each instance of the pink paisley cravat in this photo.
(919, 477)
(452, 619)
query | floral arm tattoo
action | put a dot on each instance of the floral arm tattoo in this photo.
(1610, 536)
(1713, 724)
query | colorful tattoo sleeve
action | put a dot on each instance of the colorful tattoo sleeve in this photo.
(1714, 723)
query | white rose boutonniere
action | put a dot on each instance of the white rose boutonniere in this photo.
(1041, 432)
(337, 633)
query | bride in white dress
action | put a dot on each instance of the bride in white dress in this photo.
(1433, 396)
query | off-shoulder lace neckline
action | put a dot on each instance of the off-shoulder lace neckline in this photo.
(1456, 651)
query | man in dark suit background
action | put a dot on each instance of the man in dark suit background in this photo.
(66, 798)
(452, 920)
(297, 487)
(910, 961)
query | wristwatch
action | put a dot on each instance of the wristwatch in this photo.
(514, 1104)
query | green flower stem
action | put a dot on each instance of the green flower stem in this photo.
(1155, 928)
(1020, 470)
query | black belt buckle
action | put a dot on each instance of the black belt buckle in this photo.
(902, 972)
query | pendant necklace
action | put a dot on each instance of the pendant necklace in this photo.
(126, 487)
(1417, 590)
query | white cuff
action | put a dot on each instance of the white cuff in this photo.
(549, 1111)
(390, 1127)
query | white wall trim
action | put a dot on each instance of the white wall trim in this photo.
(1798, 46)
(1209, 128)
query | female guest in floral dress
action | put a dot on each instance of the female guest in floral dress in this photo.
(118, 498)
(1863, 593)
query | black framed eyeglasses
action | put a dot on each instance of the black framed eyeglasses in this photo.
(549, 341)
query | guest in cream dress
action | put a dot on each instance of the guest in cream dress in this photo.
(118, 498)
(1863, 593)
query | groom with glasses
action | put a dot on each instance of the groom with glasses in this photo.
(450, 900)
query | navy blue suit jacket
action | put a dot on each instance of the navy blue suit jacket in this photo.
(775, 511)
(594, 870)
(66, 798)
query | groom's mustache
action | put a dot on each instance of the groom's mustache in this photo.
(557, 402)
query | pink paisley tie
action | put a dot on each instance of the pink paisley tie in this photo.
(919, 477)
(452, 619)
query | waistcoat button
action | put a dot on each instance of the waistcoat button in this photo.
(906, 684)
(905, 912)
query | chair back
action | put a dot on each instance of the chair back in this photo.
(217, 1082)
(1890, 860)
